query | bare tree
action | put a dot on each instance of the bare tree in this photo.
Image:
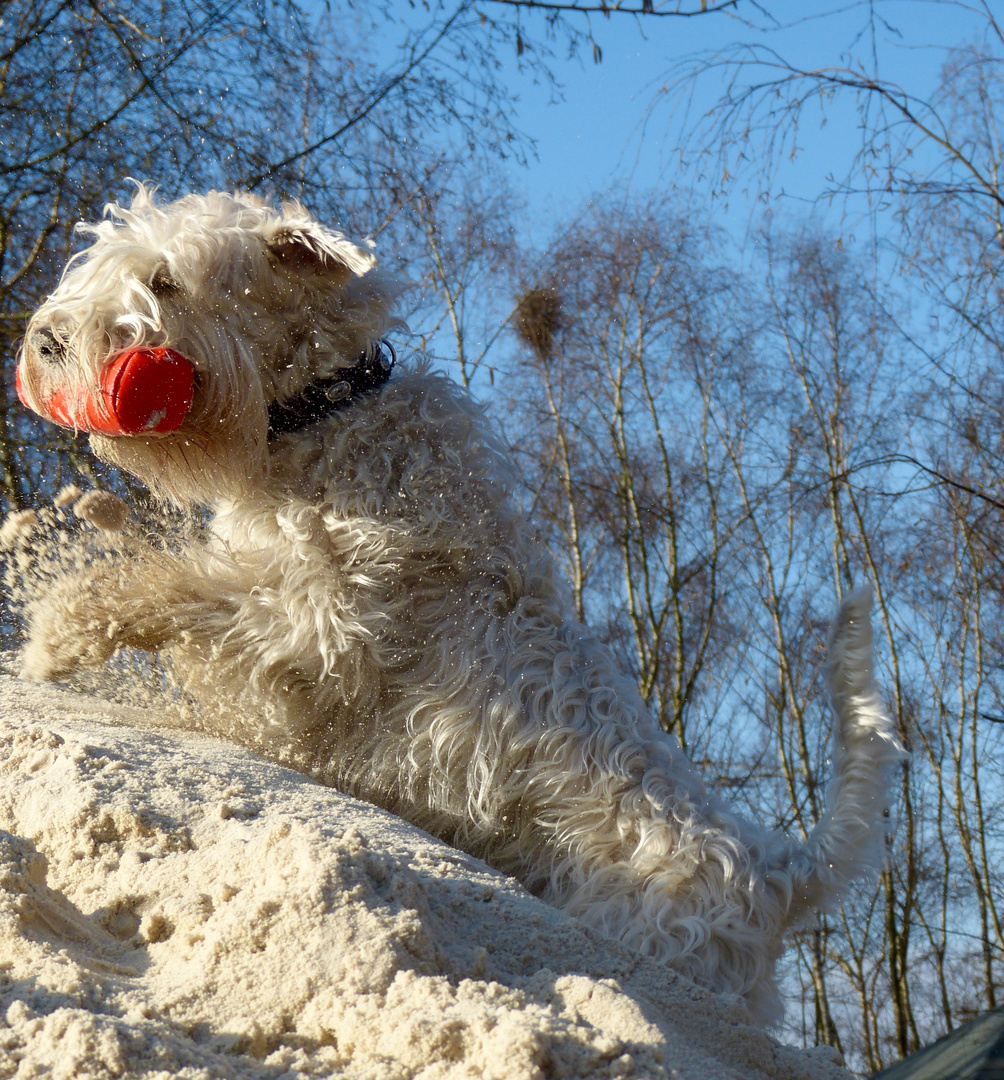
(626, 341)
(461, 226)
(714, 464)
(928, 175)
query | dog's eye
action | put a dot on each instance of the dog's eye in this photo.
(48, 347)
(161, 283)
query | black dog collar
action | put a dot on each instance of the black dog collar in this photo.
(326, 396)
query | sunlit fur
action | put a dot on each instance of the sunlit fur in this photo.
(371, 604)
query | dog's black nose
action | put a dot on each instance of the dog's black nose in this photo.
(48, 347)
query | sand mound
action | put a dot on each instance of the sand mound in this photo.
(171, 906)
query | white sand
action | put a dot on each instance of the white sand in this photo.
(171, 906)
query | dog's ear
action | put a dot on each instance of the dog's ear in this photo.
(308, 248)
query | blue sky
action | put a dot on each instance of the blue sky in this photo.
(613, 125)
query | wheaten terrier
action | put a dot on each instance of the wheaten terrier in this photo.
(371, 596)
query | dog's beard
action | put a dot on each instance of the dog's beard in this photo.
(192, 467)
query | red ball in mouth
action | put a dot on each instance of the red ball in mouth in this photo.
(144, 391)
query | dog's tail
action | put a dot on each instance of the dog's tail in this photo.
(848, 840)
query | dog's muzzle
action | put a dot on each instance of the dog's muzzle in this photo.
(143, 391)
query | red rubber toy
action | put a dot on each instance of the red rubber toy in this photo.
(144, 391)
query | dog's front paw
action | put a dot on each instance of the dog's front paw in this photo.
(60, 642)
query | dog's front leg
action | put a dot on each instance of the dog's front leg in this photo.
(145, 601)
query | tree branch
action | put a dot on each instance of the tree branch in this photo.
(620, 7)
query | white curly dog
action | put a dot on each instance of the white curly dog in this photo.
(373, 593)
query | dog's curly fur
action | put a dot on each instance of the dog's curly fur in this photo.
(373, 595)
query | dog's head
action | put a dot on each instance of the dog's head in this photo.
(170, 336)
